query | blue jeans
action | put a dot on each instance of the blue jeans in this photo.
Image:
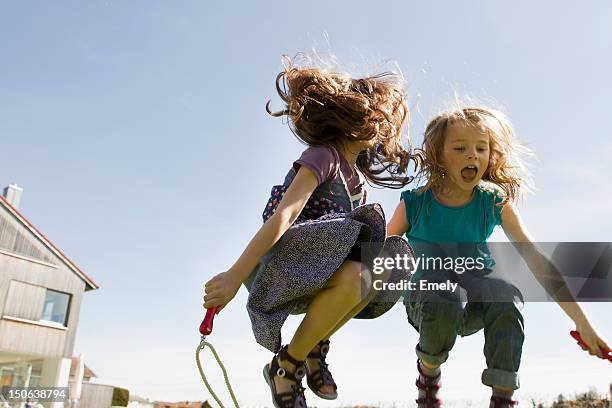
(492, 304)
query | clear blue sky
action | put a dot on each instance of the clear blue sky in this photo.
(138, 132)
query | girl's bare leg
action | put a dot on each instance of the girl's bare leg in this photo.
(364, 302)
(339, 297)
(309, 345)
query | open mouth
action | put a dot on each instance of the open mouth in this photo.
(468, 173)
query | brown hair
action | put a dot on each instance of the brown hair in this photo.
(327, 108)
(505, 169)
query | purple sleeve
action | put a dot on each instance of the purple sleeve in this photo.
(322, 160)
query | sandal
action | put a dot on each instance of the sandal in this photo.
(291, 399)
(501, 402)
(431, 387)
(318, 378)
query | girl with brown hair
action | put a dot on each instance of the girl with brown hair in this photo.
(314, 252)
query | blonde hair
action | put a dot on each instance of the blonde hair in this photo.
(506, 168)
(330, 108)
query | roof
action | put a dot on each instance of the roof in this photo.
(87, 373)
(90, 284)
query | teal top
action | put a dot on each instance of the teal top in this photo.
(437, 230)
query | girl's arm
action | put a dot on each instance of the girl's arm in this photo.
(398, 225)
(549, 277)
(223, 287)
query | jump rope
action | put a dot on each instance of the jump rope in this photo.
(206, 328)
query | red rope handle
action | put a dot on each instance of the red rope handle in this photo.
(606, 353)
(206, 326)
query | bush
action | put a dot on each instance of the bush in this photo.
(121, 397)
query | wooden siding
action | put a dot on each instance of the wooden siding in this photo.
(24, 300)
(32, 339)
(27, 268)
(96, 395)
(32, 238)
(14, 239)
(26, 338)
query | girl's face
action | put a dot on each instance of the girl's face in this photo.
(465, 155)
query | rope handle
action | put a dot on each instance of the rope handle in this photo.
(206, 327)
(607, 354)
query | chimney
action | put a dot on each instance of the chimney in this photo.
(12, 193)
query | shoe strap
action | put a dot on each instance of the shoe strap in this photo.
(299, 371)
(499, 401)
(428, 387)
(431, 402)
(323, 350)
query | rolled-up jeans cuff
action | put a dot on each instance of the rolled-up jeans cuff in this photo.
(431, 359)
(501, 378)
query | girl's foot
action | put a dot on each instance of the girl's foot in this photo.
(501, 402)
(428, 385)
(284, 376)
(319, 378)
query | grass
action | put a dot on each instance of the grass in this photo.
(589, 399)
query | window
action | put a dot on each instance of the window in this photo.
(6, 376)
(34, 380)
(55, 307)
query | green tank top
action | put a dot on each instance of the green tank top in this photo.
(437, 230)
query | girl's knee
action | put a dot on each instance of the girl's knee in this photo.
(348, 276)
(443, 314)
(504, 317)
(503, 310)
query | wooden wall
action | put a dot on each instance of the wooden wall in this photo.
(22, 286)
(96, 396)
(17, 239)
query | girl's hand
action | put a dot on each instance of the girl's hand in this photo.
(220, 290)
(592, 340)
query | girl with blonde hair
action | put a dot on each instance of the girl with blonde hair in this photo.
(472, 174)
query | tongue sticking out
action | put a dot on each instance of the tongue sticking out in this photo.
(468, 174)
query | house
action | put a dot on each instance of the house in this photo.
(41, 291)
(87, 373)
(139, 402)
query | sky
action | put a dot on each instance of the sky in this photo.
(138, 132)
